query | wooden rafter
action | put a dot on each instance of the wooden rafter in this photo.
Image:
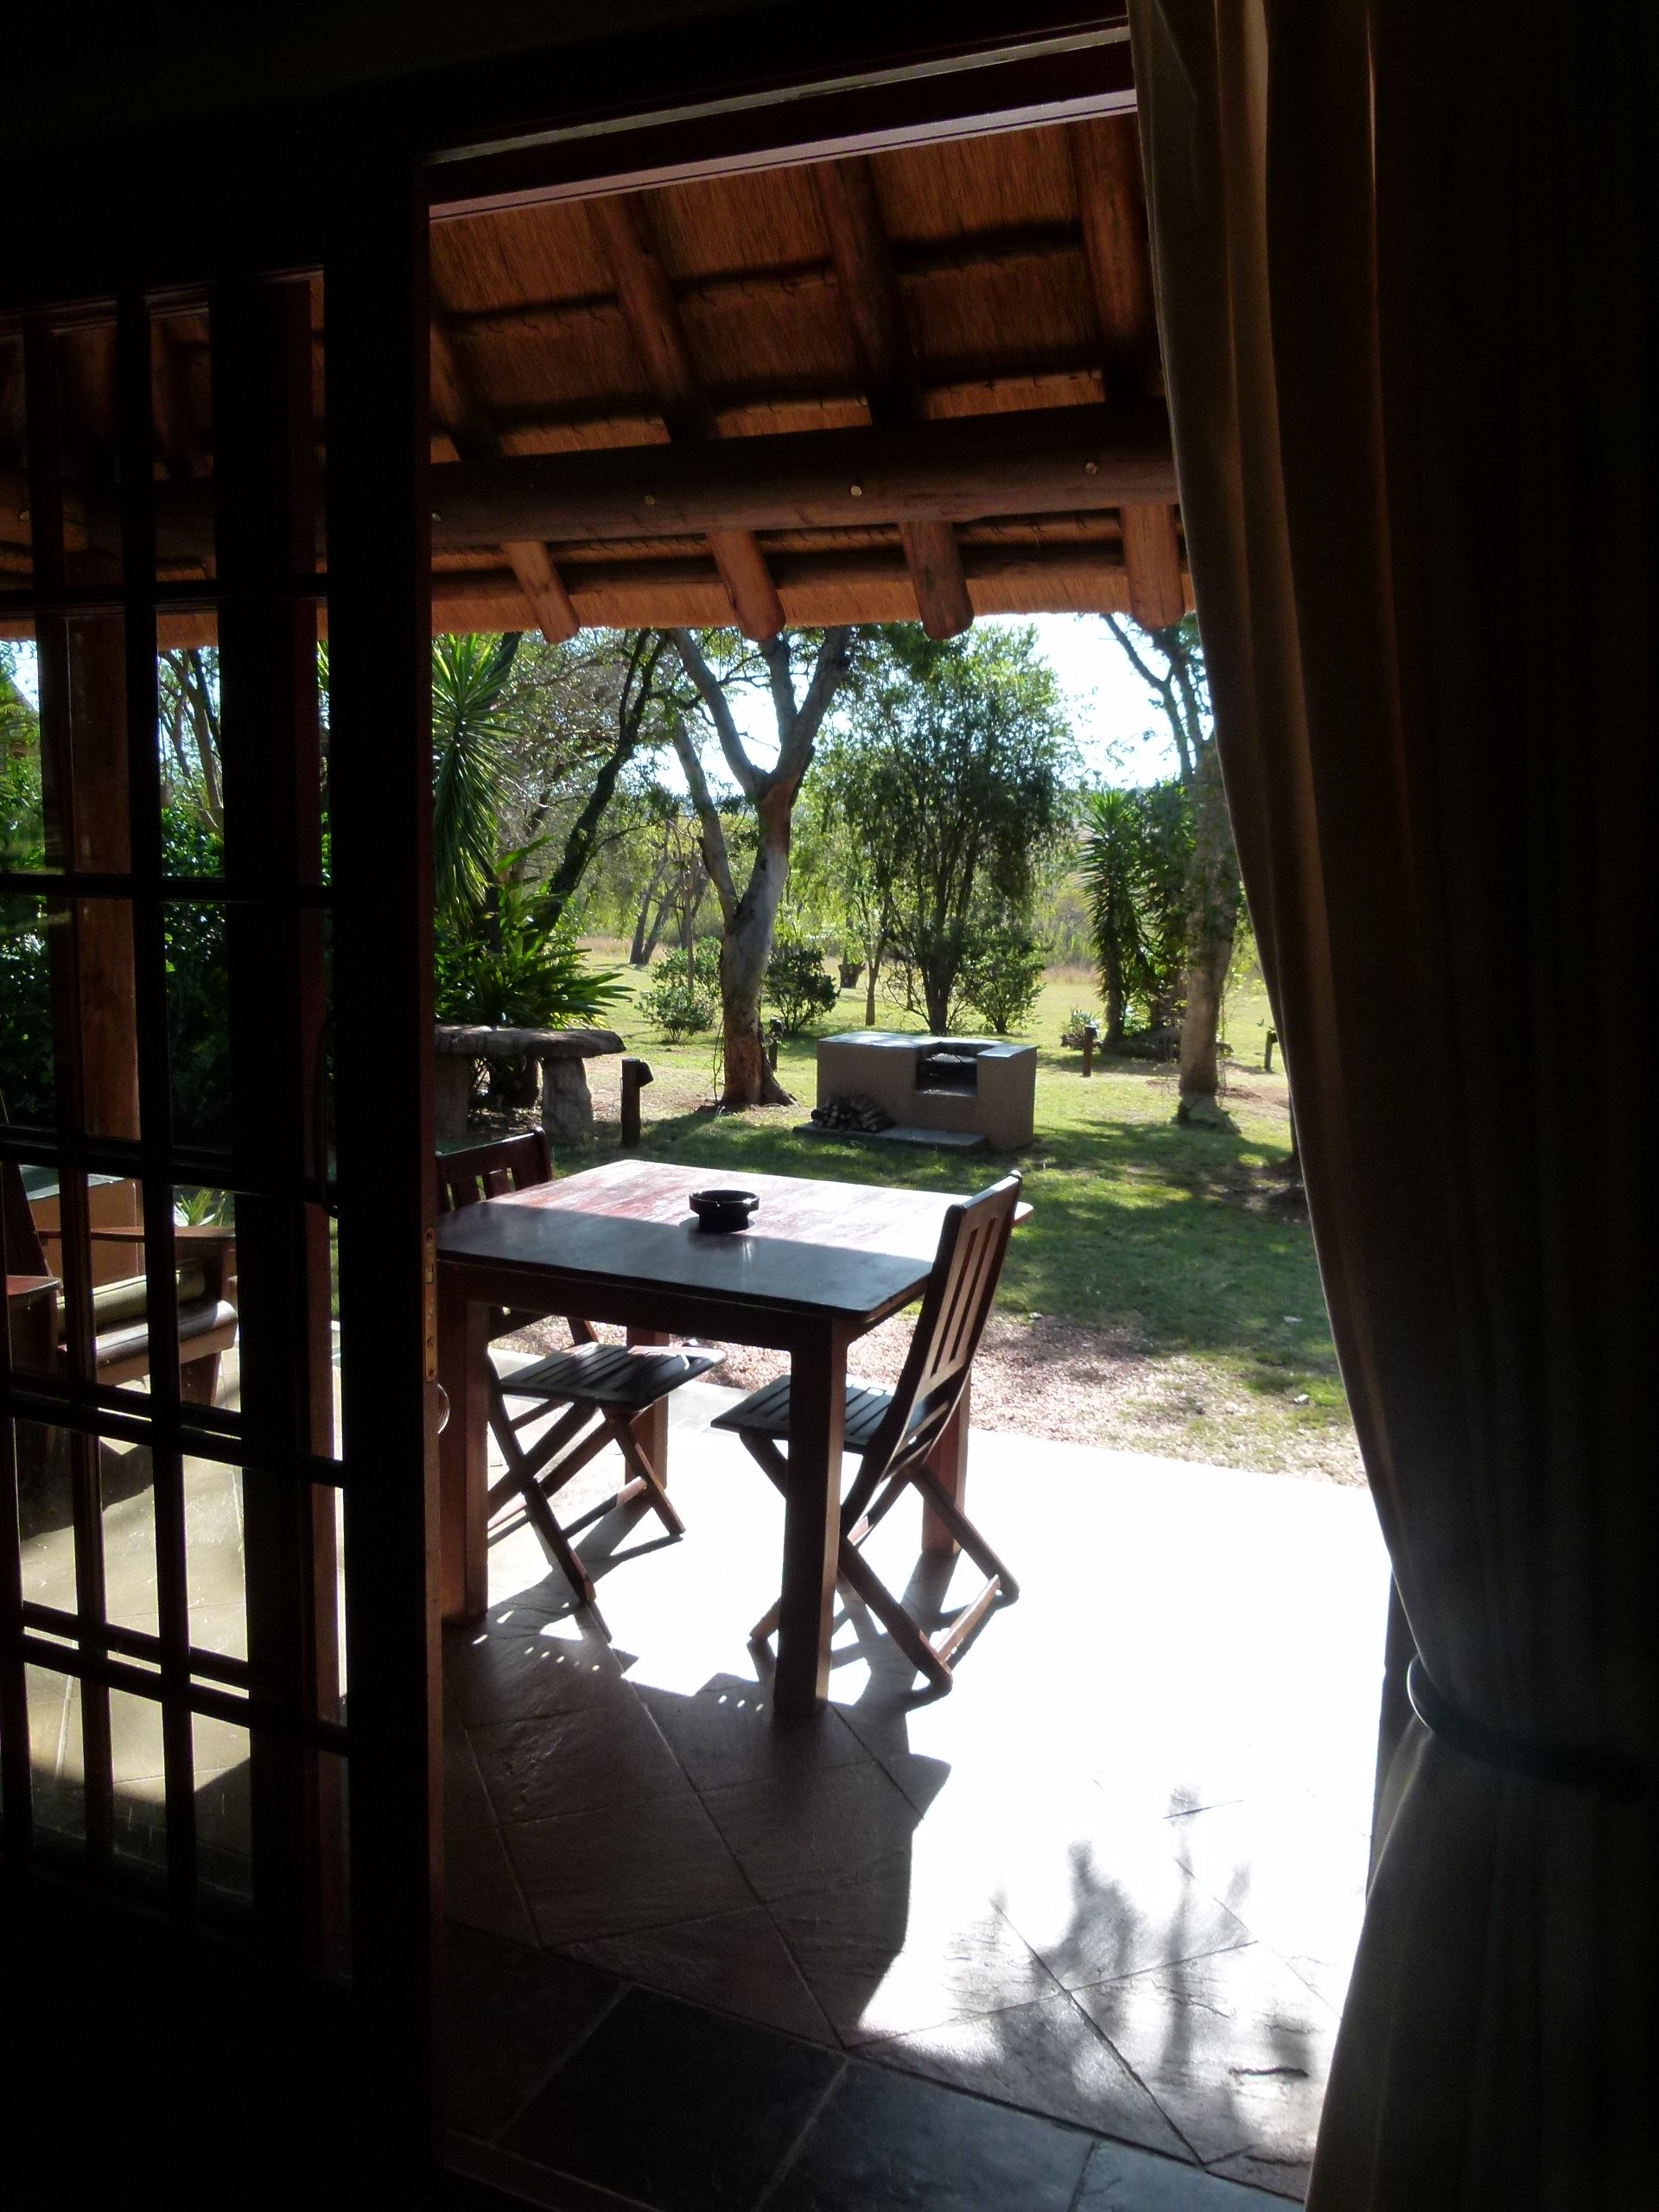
(915, 263)
(472, 434)
(1106, 170)
(851, 208)
(653, 318)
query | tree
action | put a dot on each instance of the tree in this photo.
(749, 917)
(1136, 866)
(1213, 894)
(950, 777)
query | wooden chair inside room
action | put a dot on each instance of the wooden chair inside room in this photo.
(603, 1388)
(204, 1288)
(893, 1432)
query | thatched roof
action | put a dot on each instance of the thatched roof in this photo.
(924, 381)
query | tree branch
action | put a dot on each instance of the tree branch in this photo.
(1163, 685)
(749, 779)
(795, 750)
(713, 834)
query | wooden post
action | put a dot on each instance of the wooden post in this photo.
(1088, 1049)
(380, 794)
(1267, 1056)
(636, 1074)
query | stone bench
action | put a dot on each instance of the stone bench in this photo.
(566, 1102)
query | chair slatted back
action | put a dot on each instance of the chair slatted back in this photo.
(478, 1171)
(957, 1303)
(491, 1170)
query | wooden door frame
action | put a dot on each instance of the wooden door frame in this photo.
(351, 187)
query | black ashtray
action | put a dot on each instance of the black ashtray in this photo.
(724, 1211)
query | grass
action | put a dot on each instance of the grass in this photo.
(1163, 1248)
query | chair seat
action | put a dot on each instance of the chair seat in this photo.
(765, 1413)
(632, 1377)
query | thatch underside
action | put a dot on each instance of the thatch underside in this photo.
(922, 383)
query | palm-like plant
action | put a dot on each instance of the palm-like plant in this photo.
(472, 764)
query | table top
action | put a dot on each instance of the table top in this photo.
(28, 1286)
(855, 1251)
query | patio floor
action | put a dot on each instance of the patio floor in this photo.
(1113, 1882)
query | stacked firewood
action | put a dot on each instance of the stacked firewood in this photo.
(860, 1113)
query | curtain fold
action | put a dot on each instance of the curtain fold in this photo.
(1402, 254)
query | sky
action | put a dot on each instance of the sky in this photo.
(1118, 725)
(1119, 729)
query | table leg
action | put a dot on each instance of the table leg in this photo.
(948, 1464)
(651, 1427)
(463, 1454)
(817, 1395)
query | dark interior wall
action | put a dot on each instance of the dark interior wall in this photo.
(152, 70)
(149, 66)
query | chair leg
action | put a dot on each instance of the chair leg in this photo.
(645, 1483)
(966, 1534)
(199, 1380)
(521, 1479)
(546, 1528)
(894, 1618)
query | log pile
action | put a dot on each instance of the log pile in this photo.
(860, 1113)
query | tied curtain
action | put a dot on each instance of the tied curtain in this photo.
(1403, 253)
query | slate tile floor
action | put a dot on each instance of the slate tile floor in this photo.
(1075, 1935)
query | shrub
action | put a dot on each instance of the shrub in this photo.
(797, 983)
(1003, 973)
(676, 1008)
(503, 965)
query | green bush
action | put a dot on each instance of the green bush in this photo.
(676, 1008)
(198, 987)
(797, 983)
(1001, 974)
(502, 965)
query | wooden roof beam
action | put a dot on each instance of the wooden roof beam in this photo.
(653, 318)
(1105, 167)
(474, 435)
(965, 468)
(869, 285)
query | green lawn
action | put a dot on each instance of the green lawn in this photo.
(1165, 1247)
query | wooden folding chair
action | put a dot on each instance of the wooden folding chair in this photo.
(894, 1431)
(603, 1388)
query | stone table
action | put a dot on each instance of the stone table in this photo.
(566, 1102)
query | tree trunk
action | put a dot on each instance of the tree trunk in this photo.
(1212, 919)
(1114, 1036)
(640, 952)
(743, 957)
(876, 952)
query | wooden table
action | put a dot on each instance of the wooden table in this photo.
(821, 1265)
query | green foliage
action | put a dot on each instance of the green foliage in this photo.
(674, 1007)
(1136, 867)
(797, 982)
(1001, 973)
(507, 964)
(472, 735)
(198, 985)
(950, 781)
